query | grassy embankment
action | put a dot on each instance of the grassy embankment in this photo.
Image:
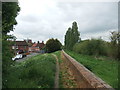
(36, 72)
(39, 71)
(103, 67)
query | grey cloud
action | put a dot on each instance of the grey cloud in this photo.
(91, 18)
(29, 19)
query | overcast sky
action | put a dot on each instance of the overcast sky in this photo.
(44, 19)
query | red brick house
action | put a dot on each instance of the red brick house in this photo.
(20, 45)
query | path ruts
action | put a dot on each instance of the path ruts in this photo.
(56, 83)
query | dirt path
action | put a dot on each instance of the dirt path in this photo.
(63, 76)
(56, 84)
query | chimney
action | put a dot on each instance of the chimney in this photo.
(38, 42)
(29, 41)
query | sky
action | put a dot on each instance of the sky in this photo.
(44, 19)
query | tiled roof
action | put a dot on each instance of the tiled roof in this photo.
(21, 43)
(34, 45)
(40, 45)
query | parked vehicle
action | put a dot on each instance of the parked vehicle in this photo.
(18, 56)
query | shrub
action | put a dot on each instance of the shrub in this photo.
(91, 47)
(53, 45)
(112, 51)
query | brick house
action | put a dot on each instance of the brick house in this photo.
(36, 47)
(20, 45)
(40, 45)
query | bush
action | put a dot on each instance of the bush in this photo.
(112, 51)
(91, 47)
(53, 45)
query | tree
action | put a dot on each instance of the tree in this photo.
(53, 45)
(68, 38)
(72, 36)
(115, 44)
(9, 12)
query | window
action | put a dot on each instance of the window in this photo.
(13, 47)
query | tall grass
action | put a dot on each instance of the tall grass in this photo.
(36, 72)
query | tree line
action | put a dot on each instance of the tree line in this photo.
(96, 47)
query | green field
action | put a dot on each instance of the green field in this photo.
(106, 69)
(36, 72)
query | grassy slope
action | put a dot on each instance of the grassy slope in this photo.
(36, 72)
(105, 69)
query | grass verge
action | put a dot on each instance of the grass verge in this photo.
(36, 72)
(106, 69)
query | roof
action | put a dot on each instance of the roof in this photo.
(41, 45)
(34, 45)
(21, 43)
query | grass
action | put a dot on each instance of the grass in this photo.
(58, 54)
(39, 71)
(106, 69)
(36, 72)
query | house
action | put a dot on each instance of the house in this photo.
(40, 45)
(29, 41)
(28, 46)
(37, 47)
(20, 45)
(34, 48)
